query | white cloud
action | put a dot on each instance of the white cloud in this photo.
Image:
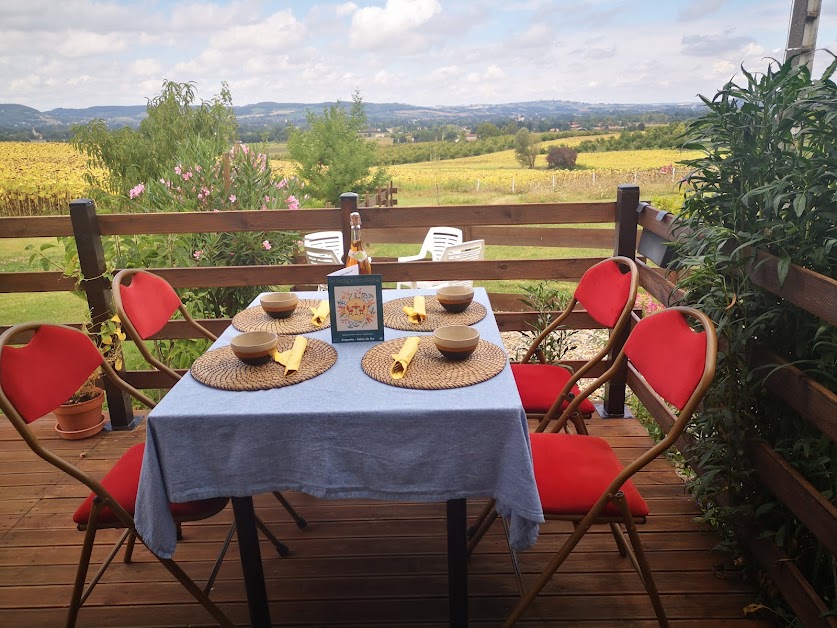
(347, 8)
(374, 27)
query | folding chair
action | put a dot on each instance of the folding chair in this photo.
(580, 478)
(435, 243)
(144, 307)
(608, 294)
(37, 378)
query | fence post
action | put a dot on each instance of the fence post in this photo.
(91, 257)
(627, 201)
(348, 204)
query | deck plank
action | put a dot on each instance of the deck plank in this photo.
(360, 563)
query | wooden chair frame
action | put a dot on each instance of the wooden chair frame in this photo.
(555, 410)
(103, 499)
(489, 515)
(131, 330)
(631, 547)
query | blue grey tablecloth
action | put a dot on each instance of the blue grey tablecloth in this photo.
(341, 435)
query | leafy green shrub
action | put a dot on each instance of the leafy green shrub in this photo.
(767, 181)
(561, 157)
(545, 297)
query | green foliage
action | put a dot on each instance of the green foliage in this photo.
(561, 157)
(526, 147)
(668, 136)
(766, 181)
(130, 156)
(545, 297)
(332, 156)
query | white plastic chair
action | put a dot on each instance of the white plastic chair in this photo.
(471, 251)
(332, 240)
(317, 255)
(435, 243)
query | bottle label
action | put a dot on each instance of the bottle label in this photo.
(358, 255)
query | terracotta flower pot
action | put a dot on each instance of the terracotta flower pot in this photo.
(80, 420)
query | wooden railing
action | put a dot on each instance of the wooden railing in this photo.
(813, 402)
(497, 224)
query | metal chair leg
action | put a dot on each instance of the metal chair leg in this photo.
(515, 563)
(300, 522)
(83, 563)
(200, 596)
(485, 512)
(281, 548)
(486, 524)
(620, 539)
(220, 559)
(129, 548)
(641, 561)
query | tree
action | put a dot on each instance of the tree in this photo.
(526, 147)
(332, 156)
(487, 129)
(561, 157)
(129, 156)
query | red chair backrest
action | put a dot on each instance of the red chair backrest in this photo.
(149, 303)
(669, 354)
(41, 375)
(603, 291)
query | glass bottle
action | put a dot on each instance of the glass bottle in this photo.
(357, 254)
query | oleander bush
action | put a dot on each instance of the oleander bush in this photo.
(766, 181)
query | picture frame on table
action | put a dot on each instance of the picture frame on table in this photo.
(356, 308)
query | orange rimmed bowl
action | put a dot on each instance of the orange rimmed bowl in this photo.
(279, 304)
(455, 299)
(456, 342)
(254, 347)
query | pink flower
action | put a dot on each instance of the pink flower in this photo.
(187, 175)
(177, 169)
(232, 198)
(138, 189)
(197, 255)
(266, 245)
(282, 184)
(293, 202)
(197, 168)
(200, 196)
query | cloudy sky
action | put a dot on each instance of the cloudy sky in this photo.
(80, 53)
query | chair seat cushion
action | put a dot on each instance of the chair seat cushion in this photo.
(122, 481)
(540, 384)
(572, 471)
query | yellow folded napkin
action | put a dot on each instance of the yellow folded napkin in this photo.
(417, 313)
(403, 357)
(293, 356)
(320, 314)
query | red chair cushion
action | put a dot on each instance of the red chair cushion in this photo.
(148, 302)
(604, 291)
(540, 384)
(41, 375)
(122, 481)
(669, 354)
(572, 471)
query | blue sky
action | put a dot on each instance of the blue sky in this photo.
(80, 53)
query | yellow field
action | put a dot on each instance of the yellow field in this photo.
(42, 178)
(38, 178)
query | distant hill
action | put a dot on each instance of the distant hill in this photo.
(22, 120)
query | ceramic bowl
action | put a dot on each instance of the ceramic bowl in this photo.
(456, 342)
(455, 298)
(279, 304)
(254, 347)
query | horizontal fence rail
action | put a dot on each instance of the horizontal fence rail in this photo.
(816, 294)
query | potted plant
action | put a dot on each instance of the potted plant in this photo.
(81, 415)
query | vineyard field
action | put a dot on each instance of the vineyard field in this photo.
(41, 178)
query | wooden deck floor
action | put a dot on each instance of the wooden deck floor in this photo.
(359, 562)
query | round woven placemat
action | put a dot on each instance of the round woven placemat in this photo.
(256, 319)
(437, 316)
(219, 368)
(428, 370)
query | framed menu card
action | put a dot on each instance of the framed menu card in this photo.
(356, 308)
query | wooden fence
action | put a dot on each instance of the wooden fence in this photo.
(519, 225)
(816, 294)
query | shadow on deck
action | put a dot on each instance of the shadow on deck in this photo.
(358, 563)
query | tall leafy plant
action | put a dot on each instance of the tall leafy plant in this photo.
(767, 181)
